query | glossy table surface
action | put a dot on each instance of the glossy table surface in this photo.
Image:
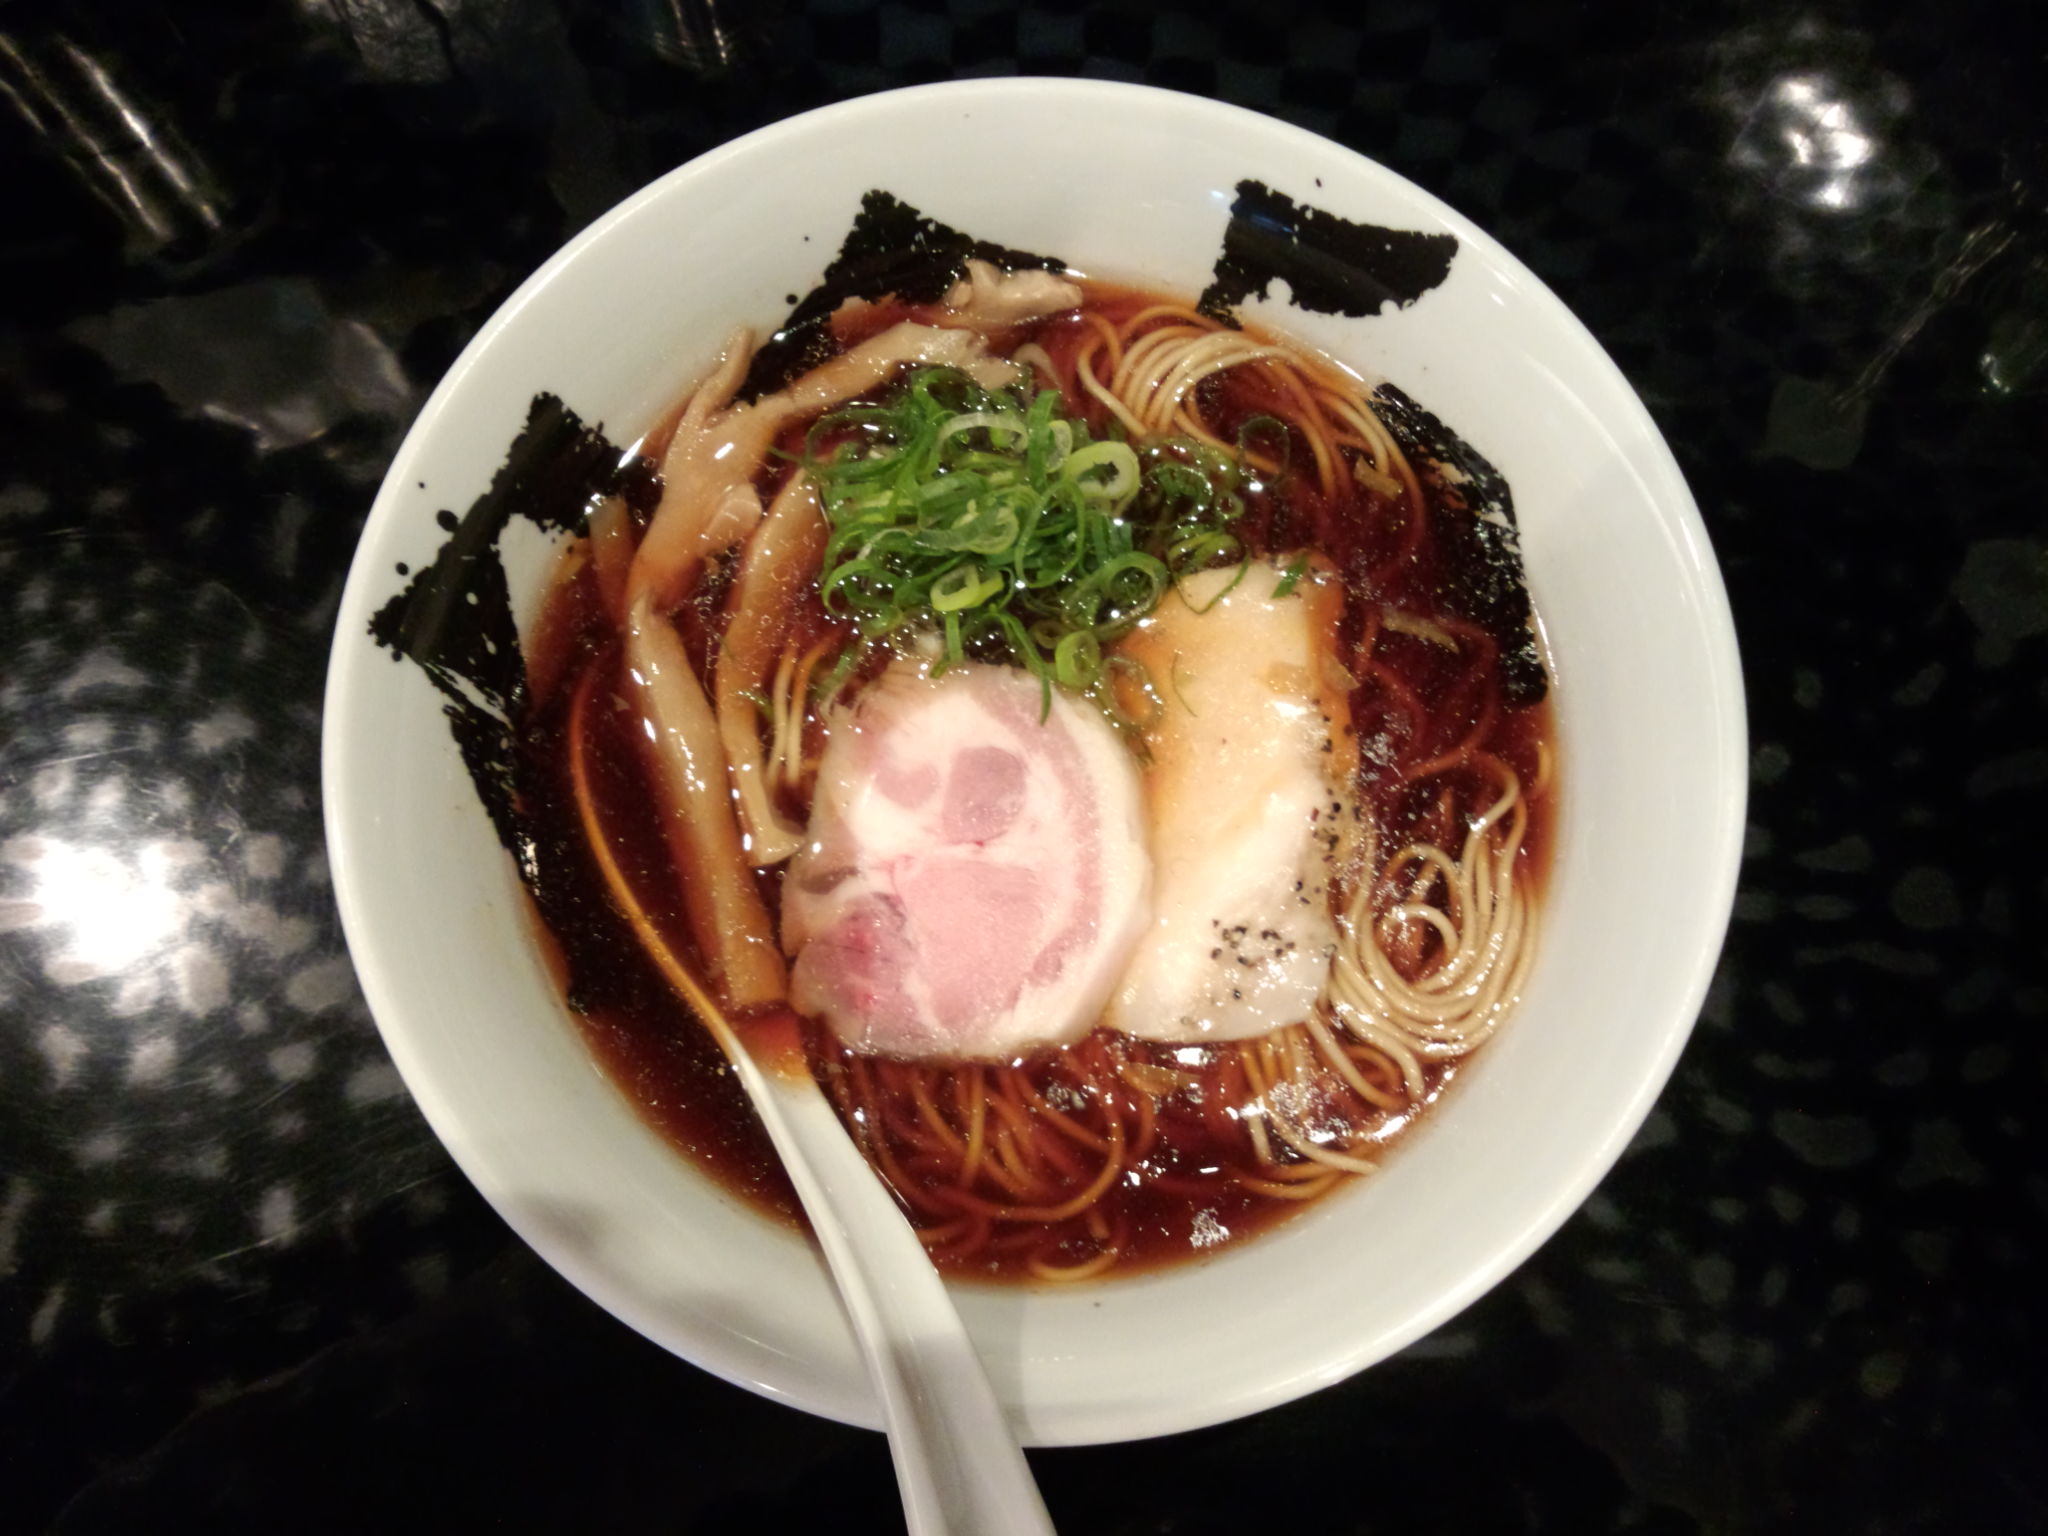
(241, 1283)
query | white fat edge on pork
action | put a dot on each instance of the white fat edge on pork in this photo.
(865, 845)
(1247, 804)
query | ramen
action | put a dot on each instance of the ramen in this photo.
(1116, 741)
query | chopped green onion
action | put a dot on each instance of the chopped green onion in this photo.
(1270, 428)
(1227, 588)
(1077, 659)
(1109, 697)
(963, 587)
(1173, 678)
(1291, 577)
(1117, 458)
(988, 518)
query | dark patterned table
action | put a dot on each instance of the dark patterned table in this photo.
(240, 1283)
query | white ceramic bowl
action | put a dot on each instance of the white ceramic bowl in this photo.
(1124, 183)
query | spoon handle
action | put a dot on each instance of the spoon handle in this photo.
(958, 1463)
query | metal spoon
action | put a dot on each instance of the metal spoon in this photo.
(958, 1465)
(960, 1468)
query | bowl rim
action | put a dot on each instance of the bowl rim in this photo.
(349, 658)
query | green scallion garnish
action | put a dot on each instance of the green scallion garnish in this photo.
(1290, 577)
(989, 519)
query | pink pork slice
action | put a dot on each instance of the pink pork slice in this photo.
(974, 878)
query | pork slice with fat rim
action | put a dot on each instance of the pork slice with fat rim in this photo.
(974, 876)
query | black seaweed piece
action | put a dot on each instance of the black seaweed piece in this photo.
(1331, 265)
(1475, 525)
(455, 616)
(891, 248)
